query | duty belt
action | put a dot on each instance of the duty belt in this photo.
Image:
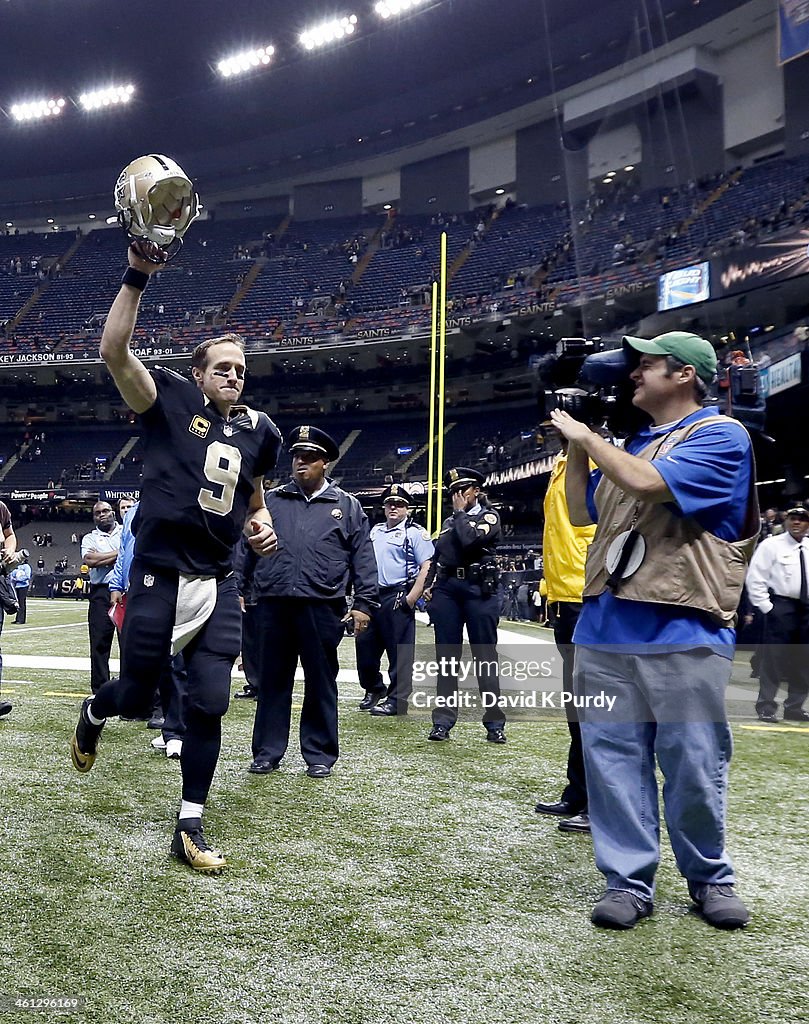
(462, 572)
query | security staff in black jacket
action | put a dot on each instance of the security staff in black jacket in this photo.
(324, 553)
(465, 592)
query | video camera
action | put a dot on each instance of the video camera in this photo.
(592, 384)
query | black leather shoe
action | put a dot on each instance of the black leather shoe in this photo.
(796, 716)
(5, 708)
(248, 692)
(388, 709)
(262, 767)
(561, 808)
(496, 736)
(439, 732)
(769, 719)
(578, 823)
(156, 722)
(318, 771)
(370, 700)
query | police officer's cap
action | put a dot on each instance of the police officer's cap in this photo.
(798, 511)
(396, 493)
(313, 439)
(460, 477)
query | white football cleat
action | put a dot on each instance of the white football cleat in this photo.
(173, 749)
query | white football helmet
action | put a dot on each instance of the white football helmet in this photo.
(156, 201)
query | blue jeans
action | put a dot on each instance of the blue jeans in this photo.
(670, 709)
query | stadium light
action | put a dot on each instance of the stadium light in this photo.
(391, 8)
(36, 110)
(247, 60)
(328, 32)
(109, 97)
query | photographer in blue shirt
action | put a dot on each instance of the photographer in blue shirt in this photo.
(677, 521)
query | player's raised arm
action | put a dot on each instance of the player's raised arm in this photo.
(130, 375)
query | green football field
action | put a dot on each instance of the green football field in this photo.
(415, 885)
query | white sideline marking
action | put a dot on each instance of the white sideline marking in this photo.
(508, 636)
(48, 629)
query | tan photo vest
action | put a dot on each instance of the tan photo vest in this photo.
(684, 564)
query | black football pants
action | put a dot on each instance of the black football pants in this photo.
(209, 658)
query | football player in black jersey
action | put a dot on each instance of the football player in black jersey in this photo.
(205, 459)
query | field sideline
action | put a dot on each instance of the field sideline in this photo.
(416, 885)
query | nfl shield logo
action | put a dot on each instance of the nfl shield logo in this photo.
(148, 580)
(227, 430)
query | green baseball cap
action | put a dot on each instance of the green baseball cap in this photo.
(689, 348)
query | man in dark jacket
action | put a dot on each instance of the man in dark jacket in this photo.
(325, 553)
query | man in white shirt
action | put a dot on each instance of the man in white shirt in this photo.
(777, 586)
(99, 550)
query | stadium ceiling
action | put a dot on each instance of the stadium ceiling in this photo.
(439, 67)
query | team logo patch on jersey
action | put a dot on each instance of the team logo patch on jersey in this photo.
(336, 513)
(148, 580)
(490, 517)
(199, 426)
(483, 527)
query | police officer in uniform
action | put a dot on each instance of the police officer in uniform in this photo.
(464, 593)
(325, 553)
(403, 554)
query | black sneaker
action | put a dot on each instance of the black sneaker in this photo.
(189, 845)
(5, 708)
(439, 733)
(719, 905)
(85, 738)
(619, 908)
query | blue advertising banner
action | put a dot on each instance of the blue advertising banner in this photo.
(793, 29)
(684, 286)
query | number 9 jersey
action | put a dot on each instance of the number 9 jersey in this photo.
(199, 475)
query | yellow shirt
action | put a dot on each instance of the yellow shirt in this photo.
(564, 546)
